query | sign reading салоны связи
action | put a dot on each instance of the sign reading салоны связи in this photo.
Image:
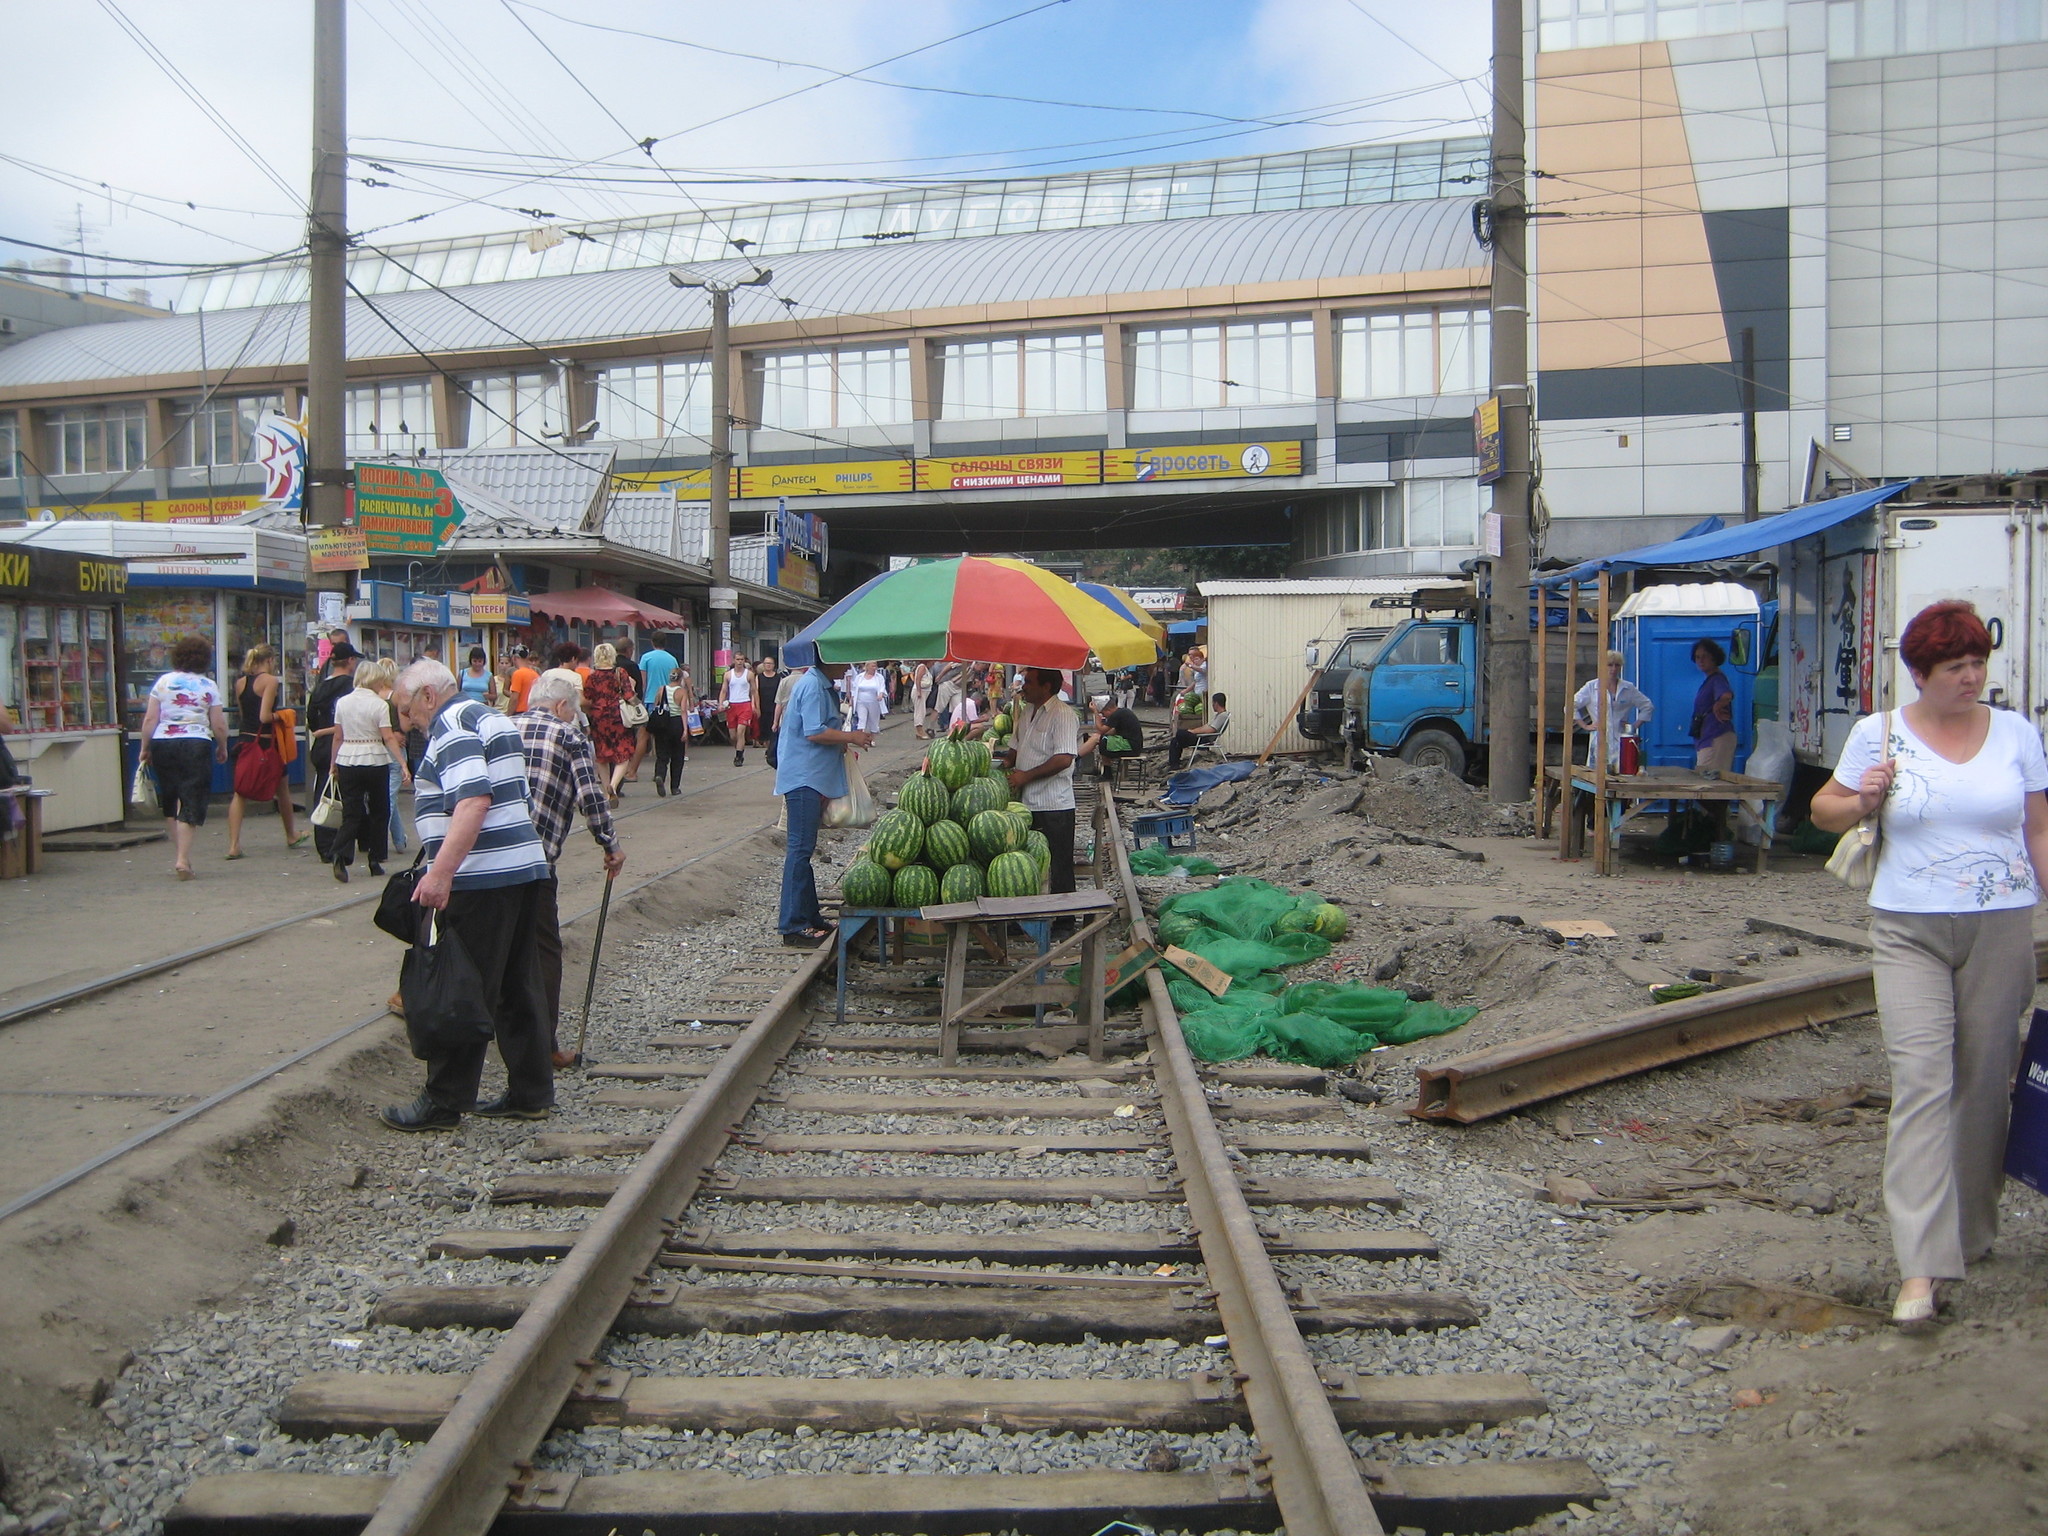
(403, 509)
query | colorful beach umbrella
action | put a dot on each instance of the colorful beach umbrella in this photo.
(1121, 603)
(971, 609)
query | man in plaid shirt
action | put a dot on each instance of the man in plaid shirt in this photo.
(561, 776)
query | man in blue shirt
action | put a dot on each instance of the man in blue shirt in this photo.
(656, 668)
(810, 769)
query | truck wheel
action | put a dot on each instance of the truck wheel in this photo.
(1435, 749)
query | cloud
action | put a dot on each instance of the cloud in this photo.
(1340, 51)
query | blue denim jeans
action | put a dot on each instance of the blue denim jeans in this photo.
(799, 884)
(398, 843)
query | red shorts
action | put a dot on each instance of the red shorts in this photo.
(739, 719)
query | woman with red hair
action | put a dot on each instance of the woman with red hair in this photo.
(1963, 853)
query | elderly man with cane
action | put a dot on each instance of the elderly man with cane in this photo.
(562, 779)
(486, 876)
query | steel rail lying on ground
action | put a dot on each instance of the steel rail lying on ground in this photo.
(1491, 1082)
(1315, 1480)
(457, 1484)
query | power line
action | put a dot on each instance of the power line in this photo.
(165, 268)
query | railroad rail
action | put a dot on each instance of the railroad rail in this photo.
(476, 1471)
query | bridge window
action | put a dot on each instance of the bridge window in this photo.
(646, 401)
(96, 439)
(1442, 513)
(845, 387)
(396, 417)
(1358, 520)
(508, 410)
(1414, 352)
(1022, 376)
(1250, 362)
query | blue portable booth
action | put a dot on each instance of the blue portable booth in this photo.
(1655, 633)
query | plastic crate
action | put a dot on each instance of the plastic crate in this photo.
(1166, 828)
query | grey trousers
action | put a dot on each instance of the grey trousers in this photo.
(1951, 991)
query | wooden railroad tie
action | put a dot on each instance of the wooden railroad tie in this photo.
(866, 1189)
(987, 1106)
(551, 1145)
(1307, 1079)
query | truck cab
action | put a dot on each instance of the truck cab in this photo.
(1417, 694)
(1321, 717)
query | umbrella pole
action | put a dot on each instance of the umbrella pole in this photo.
(604, 910)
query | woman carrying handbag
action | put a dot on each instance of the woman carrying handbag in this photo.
(1960, 852)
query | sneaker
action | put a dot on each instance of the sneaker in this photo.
(505, 1109)
(422, 1114)
(739, 759)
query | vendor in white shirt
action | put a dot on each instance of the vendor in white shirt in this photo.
(1048, 739)
(1624, 701)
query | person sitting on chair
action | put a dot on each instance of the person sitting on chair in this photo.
(1198, 735)
(1118, 733)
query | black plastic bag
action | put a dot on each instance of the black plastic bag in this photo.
(445, 1007)
(397, 913)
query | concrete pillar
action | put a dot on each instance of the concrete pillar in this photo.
(451, 413)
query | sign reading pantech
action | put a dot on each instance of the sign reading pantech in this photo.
(405, 510)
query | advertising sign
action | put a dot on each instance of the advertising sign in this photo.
(802, 548)
(280, 447)
(403, 509)
(457, 611)
(1486, 439)
(857, 477)
(338, 549)
(498, 608)
(179, 509)
(1009, 471)
(688, 484)
(1160, 599)
(1202, 461)
(423, 608)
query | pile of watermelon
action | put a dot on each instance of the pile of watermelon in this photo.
(955, 835)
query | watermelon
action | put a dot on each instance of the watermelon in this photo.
(982, 758)
(1039, 848)
(1001, 725)
(1300, 920)
(992, 833)
(952, 764)
(898, 838)
(945, 845)
(999, 779)
(1013, 874)
(916, 886)
(865, 884)
(972, 798)
(1330, 921)
(924, 797)
(963, 882)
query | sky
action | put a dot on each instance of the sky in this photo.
(471, 111)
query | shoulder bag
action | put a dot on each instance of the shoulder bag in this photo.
(328, 813)
(631, 711)
(397, 913)
(1854, 861)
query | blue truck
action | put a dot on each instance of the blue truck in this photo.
(1417, 690)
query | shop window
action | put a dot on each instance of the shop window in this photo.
(1442, 514)
(511, 410)
(1390, 354)
(10, 446)
(396, 417)
(1022, 376)
(844, 387)
(221, 430)
(66, 661)
(97, 439)
(1197, 367)
(655, 401)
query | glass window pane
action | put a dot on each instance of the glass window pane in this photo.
(1279, 187)
(1105, 201)
(821, 227)
(1146, 200)
(1189, 197)
(1064, 205)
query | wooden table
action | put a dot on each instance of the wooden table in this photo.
(22, 854)
(1620, 798)
(1095, 909)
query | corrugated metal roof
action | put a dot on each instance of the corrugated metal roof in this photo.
(558, 487)
(1318, 586)
(1295, 246)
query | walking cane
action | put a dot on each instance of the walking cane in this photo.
(604, 910)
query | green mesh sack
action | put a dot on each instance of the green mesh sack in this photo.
(1373, 1009)
(1178, 928)
(1240, 958)
(1239, 906)
(1299, 947)
(1155, 860)
(1424, 1020)
(1224, 1034)
(1260, 993)
(1311, 1040)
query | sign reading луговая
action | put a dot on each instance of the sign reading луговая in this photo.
(404, 509)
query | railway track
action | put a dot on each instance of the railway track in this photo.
(696, 1229)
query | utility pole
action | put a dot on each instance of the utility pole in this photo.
(327, 244)
(1752, 468)
(724, 596)
(1507, 668)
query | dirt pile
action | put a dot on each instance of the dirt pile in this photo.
(1387, 793)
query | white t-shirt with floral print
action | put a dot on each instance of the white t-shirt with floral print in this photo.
(185, 703)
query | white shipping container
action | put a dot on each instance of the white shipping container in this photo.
(1259, 632)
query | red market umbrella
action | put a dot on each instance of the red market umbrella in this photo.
(601, 605)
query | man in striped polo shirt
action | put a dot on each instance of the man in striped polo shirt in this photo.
(484, 876)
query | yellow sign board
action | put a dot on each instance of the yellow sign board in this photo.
(184, 509)
(856, 477)
(1204, 461)
(338, 549)
(687, 484)
(1009, 471)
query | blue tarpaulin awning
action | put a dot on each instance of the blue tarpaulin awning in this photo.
(1733, 542)
(1187, 626)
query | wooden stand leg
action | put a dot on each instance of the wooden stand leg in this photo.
(1092, 1003)
(952, 993)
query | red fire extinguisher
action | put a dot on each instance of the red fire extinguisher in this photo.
(1631, 753)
